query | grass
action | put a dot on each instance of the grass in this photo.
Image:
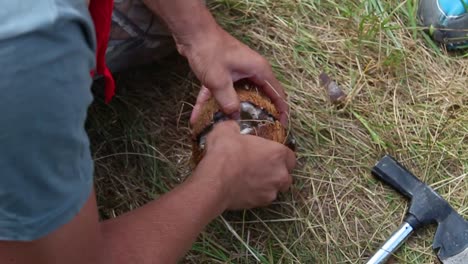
(406, 96)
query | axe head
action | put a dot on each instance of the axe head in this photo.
(427, 207)
(451, 239)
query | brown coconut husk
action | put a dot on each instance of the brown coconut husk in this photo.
(248, 93)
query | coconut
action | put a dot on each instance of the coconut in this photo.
(258, 116)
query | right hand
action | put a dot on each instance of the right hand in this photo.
(253, 169)
(218, 60)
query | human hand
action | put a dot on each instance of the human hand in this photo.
(218, 60)
(251, 170)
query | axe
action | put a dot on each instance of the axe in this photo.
(427, 207)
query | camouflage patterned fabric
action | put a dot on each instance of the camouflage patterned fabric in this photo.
(137, 36)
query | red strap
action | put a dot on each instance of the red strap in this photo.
(101, 12)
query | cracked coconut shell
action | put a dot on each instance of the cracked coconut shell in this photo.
(247, 93)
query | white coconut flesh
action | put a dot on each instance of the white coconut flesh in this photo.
(251, 118)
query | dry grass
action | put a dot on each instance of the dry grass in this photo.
(406, 98)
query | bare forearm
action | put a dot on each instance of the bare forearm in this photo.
(163, 231)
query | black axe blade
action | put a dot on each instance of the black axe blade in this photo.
(451, 240)
(427, 207)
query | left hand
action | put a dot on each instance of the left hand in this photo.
(218, 60)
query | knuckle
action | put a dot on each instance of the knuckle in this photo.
(285, 151)
(288, 182)
(280, 154)
(224, 136)
(219, 130)
(213, 138)
(218, 78)
(218, 85)
(263, 61)
(228, 126)
(272, 197)
(231, 107)
(268, 198)
(289, 153)
(226, 82)
(282, 174)
(286, 179)
(294, 162)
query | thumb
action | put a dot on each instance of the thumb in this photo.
(222, 88)
(228, 126)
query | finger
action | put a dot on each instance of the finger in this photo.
(222, 130)
(203, 96)
(290, 164)
(272, 197)
(229, 127)
(221, 86)
(274, 90)
(227, 99)
(258, 70)
(290, 159)
(286, 184)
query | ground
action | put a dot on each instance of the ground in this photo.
(406, 97)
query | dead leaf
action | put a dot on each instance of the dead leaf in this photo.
(335, 93)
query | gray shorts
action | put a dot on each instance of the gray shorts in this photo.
(47, 50)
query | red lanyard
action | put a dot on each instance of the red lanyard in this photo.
(101, 12)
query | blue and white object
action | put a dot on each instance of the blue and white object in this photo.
(446, 21)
